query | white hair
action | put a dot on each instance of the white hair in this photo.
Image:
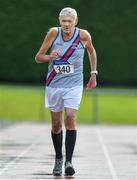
(68, 12)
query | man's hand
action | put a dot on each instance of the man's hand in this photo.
(54, 54)
(92, 83)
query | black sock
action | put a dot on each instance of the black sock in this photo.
(57, 142)
(70, 143)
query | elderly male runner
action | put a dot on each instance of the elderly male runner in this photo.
(64, 83)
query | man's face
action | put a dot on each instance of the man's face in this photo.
(67, 23)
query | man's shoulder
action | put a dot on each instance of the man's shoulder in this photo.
(53, 31)
(84, 34)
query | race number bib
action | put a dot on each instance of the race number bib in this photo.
(63, 67)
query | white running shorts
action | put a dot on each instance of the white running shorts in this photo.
(58, 98)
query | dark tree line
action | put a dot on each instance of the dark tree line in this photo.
(112, 25)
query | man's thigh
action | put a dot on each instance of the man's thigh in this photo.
(53, 99)
(72, 97)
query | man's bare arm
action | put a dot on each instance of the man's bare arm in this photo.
(87, 41)
(41, 56)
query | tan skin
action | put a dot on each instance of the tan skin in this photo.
(67, 24)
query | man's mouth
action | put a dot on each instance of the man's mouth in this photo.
(66, 28)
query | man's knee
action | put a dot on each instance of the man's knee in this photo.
(56, 127)
(56, 122)
(70, 116)
(70, 120)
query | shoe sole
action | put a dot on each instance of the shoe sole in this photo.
(57, 174)
(69, 171)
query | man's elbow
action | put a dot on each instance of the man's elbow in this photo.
(37, 59)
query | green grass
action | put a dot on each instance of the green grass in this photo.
(118, 109)
(112, 109)
(27, 103)
(19, 103)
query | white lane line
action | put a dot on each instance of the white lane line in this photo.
(106, 153)
(7, 166)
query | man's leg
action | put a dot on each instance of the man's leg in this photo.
(70, 124)
(56, 134)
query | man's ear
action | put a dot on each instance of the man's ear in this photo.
(76, 22)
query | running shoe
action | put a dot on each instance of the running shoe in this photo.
(69, 169)
(57, 171)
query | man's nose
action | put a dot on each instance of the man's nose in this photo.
(66, 23)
